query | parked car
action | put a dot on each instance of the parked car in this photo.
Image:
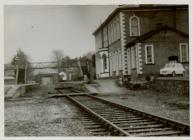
(172, 69)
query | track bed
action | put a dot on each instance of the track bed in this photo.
(118, 120)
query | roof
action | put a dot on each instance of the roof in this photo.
(155, 31)
(138, 8)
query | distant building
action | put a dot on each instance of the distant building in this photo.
(9, 74)
(138, 40)
(9, 70)
(47, 72)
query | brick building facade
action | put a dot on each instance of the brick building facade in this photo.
(137, 40)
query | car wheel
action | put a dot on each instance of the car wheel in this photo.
(173, 74)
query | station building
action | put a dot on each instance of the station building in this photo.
(138, 40)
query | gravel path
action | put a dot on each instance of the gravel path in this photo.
(41, 116)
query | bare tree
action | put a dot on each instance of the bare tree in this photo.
(22, 60)
(88, 59)
(58, 56)
(65, 61)
(89, 55)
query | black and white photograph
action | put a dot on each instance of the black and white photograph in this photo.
(96, 70)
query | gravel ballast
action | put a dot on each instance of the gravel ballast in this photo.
(41, 116)
(167, 105)
(160, 104)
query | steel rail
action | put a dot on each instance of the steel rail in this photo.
(109, 125)
(184, 128)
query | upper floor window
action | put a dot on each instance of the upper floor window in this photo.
(105, 40)
(149, 54)
(134, 26)
(184, 52)
(98, 40)
(118, 28)
(114, 30)
(109, 34)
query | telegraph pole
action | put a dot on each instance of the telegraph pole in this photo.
(17, 69)
(26, 73)
(90, 70)
(17, 73)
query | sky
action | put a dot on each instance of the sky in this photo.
(38, 30)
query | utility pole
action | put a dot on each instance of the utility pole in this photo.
(17, 69)
(17, 74)
(90, 70)
(26, 73)
(80, 69)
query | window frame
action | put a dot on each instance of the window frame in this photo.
(114, 31)
(104, 57)
(133, 57)
(98, 40)
(152, 54)
(112, 35)
(109, 34)
(105, 37)
(187, 52)
(118, 28)
(130, 25)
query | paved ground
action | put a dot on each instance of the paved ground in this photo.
(37, 115)
(161, 104)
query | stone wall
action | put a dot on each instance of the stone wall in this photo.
(172, 86)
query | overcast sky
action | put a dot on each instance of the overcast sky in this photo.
(38, 30)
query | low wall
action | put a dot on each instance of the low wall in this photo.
(19, 90)
(172, 85)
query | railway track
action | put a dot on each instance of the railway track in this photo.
(106, 118)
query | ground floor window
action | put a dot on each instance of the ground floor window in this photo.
(149, 54)
(104, 61)
(184, 52)
(133, 58)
